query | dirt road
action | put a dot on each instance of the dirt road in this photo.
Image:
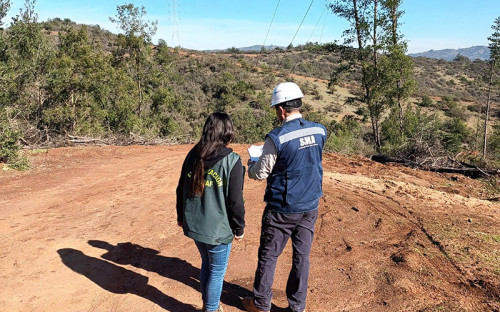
(94, 229)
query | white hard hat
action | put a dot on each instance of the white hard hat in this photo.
(284, 92)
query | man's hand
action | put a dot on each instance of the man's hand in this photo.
(239, 238)
(251, 163)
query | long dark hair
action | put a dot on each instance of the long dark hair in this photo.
(218, 131)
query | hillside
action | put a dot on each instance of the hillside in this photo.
(254, 48)
(94, 229)
(85, 84)
(433, 69)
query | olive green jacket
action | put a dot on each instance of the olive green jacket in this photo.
(205, 218)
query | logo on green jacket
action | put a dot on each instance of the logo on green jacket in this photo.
(210, 182)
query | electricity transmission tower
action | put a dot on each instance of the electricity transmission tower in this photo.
(174, 18)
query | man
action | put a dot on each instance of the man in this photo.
(291, 162)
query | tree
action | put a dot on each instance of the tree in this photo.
(461, 58)
(76, 85)
(135, 42)
(454, 134)
(130, 19)
(495, 143)
(4, 9)
(380, 53)
(29, 57)
(398, 66)
(4, 122)
(494, 47)
(373, 73)
(10, 149)
(233, 50)
(365, 22)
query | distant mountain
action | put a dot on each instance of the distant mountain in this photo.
(258, 47)
(477, 52)
(253, 48)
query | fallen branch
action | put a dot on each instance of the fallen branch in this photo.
(476, 167)
(85, 140)
(469, 170)
(387, 159)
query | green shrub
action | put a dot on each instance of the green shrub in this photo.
(253, 120)
(464, 80)
(415, 139)
(447, 103)
(494, 145)
(10, 150)
(476, 108)
(458, 112)
(426, 101)
(454, 134)
(333, 108)
(315, 116)
(233, 50)
(346, 137)
(363, 112)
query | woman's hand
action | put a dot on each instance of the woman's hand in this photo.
(239, 238)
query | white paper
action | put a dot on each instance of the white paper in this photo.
(255, 151)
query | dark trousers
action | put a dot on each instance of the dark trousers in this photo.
(276, 229)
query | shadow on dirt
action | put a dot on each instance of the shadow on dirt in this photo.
(169, 267)
(118, 280)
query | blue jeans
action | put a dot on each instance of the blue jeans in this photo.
(214, 260)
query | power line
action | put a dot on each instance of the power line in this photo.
(314, 29)
(310, 5)
(324, 24)
(275, 10)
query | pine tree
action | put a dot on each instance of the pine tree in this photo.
(494, 47)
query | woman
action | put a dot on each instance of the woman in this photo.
(210, 205)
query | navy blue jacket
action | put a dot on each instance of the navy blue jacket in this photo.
(295, 183)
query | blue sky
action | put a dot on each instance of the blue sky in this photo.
(221, 24)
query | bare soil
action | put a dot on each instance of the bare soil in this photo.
(94, 229)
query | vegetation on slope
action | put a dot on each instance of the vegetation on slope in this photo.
(62, 79)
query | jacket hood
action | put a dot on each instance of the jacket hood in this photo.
(212, 159)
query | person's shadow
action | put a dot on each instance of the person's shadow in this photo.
(119, 280)
(169, 267)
